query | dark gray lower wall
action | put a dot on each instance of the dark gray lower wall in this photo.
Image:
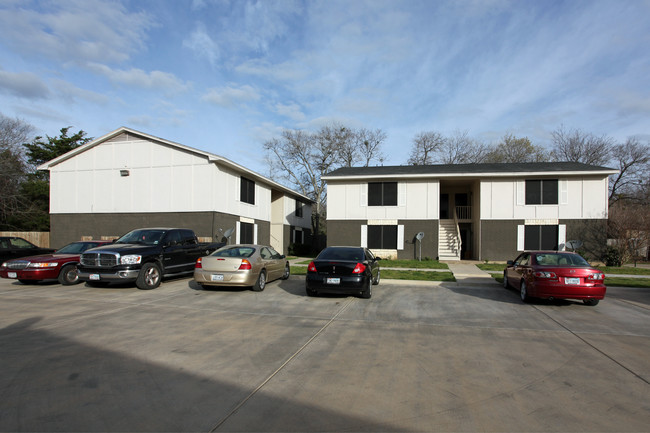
(592, 233)
(499, 238)
(66, 228)
(348, 232)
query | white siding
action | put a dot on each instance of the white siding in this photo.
(578, 198)
(416, 200)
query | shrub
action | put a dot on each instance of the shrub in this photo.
(613, 257)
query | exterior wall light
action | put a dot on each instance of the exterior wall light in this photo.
(124, 173)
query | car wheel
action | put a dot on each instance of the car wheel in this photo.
(505, 281)
(68, 275)
(591, 302)
(149, 277)
(311, 292)
(376, 280)
(366, 294)
(287, 272)
(523, 292)
(261, 282)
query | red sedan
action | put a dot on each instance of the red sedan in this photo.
(554, 275)
(61, 265)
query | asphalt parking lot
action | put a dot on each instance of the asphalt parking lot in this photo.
(427, 357)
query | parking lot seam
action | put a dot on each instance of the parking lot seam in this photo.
(284, 364)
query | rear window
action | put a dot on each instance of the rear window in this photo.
(559, 259)
(234, 252)
(354, 254)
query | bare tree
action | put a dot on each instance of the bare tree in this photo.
(13, 170)
(300, 159)
(578, 146)
(425, 146)
(629, 227)
(368, 145)
(512, 149)
(633, 162)
(460, 148)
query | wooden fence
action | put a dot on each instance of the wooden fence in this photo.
(41, 239)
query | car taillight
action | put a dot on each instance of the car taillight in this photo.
(596, 276)
(245, 265)
(311, 267)
(359, 268)
(540, 274)
(198, 264)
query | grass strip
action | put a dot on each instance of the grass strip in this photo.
(396, 275)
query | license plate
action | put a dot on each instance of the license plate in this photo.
(333, 281)
(217, 277)
(94, 277)
(572, 280)
(12, 275)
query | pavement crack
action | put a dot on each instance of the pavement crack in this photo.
(291, 358)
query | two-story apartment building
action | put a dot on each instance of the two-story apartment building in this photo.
(128, 179)
(468, 211)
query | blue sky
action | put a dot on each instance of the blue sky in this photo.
(225, 76)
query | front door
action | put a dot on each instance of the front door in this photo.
(444, 206)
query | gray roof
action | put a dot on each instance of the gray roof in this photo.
(465, 170)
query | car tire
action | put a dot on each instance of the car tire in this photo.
(366, 294)
(523, 292)
(505, 281)
(68, 275)
(287, 272)
(149, 277)
(591, 302)
(376, 280)
(260, 284)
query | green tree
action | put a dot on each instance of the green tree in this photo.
(36, 187)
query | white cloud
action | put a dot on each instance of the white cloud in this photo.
(202, 44)
(291, 110)
(70, 92)
(24, 85)
(74, 30)
(134, 77)
(231, 96)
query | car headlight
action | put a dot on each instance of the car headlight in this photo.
(43, 265)
(130, 259)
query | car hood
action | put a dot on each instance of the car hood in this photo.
(123, 248)
(46, 258)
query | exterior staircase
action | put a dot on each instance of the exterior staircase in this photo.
(448, 241)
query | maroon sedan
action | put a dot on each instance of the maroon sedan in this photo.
(554, 275)
(60, 265)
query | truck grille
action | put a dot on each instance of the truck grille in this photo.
(18, 264)
(103, 260)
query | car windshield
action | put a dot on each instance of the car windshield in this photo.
(560, 259)
(352, 254)
(234, 251)
(77, 247)
(147, 237)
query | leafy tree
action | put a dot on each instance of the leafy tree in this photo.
(578, 146)
(512, 149)
(40, 151)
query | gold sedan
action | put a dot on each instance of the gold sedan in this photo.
(241, 266)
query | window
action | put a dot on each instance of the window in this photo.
(541, 191)
(382, 237)
(541, 237)
(247, 191)
(382, 194)
(298, 209)
(246, 233)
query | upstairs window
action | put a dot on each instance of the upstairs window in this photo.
(541, 191)
(382, 194)
(247, 192)
(298, 209)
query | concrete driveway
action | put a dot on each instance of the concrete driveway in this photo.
(448, 357)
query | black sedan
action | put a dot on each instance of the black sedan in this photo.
(348, 270)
